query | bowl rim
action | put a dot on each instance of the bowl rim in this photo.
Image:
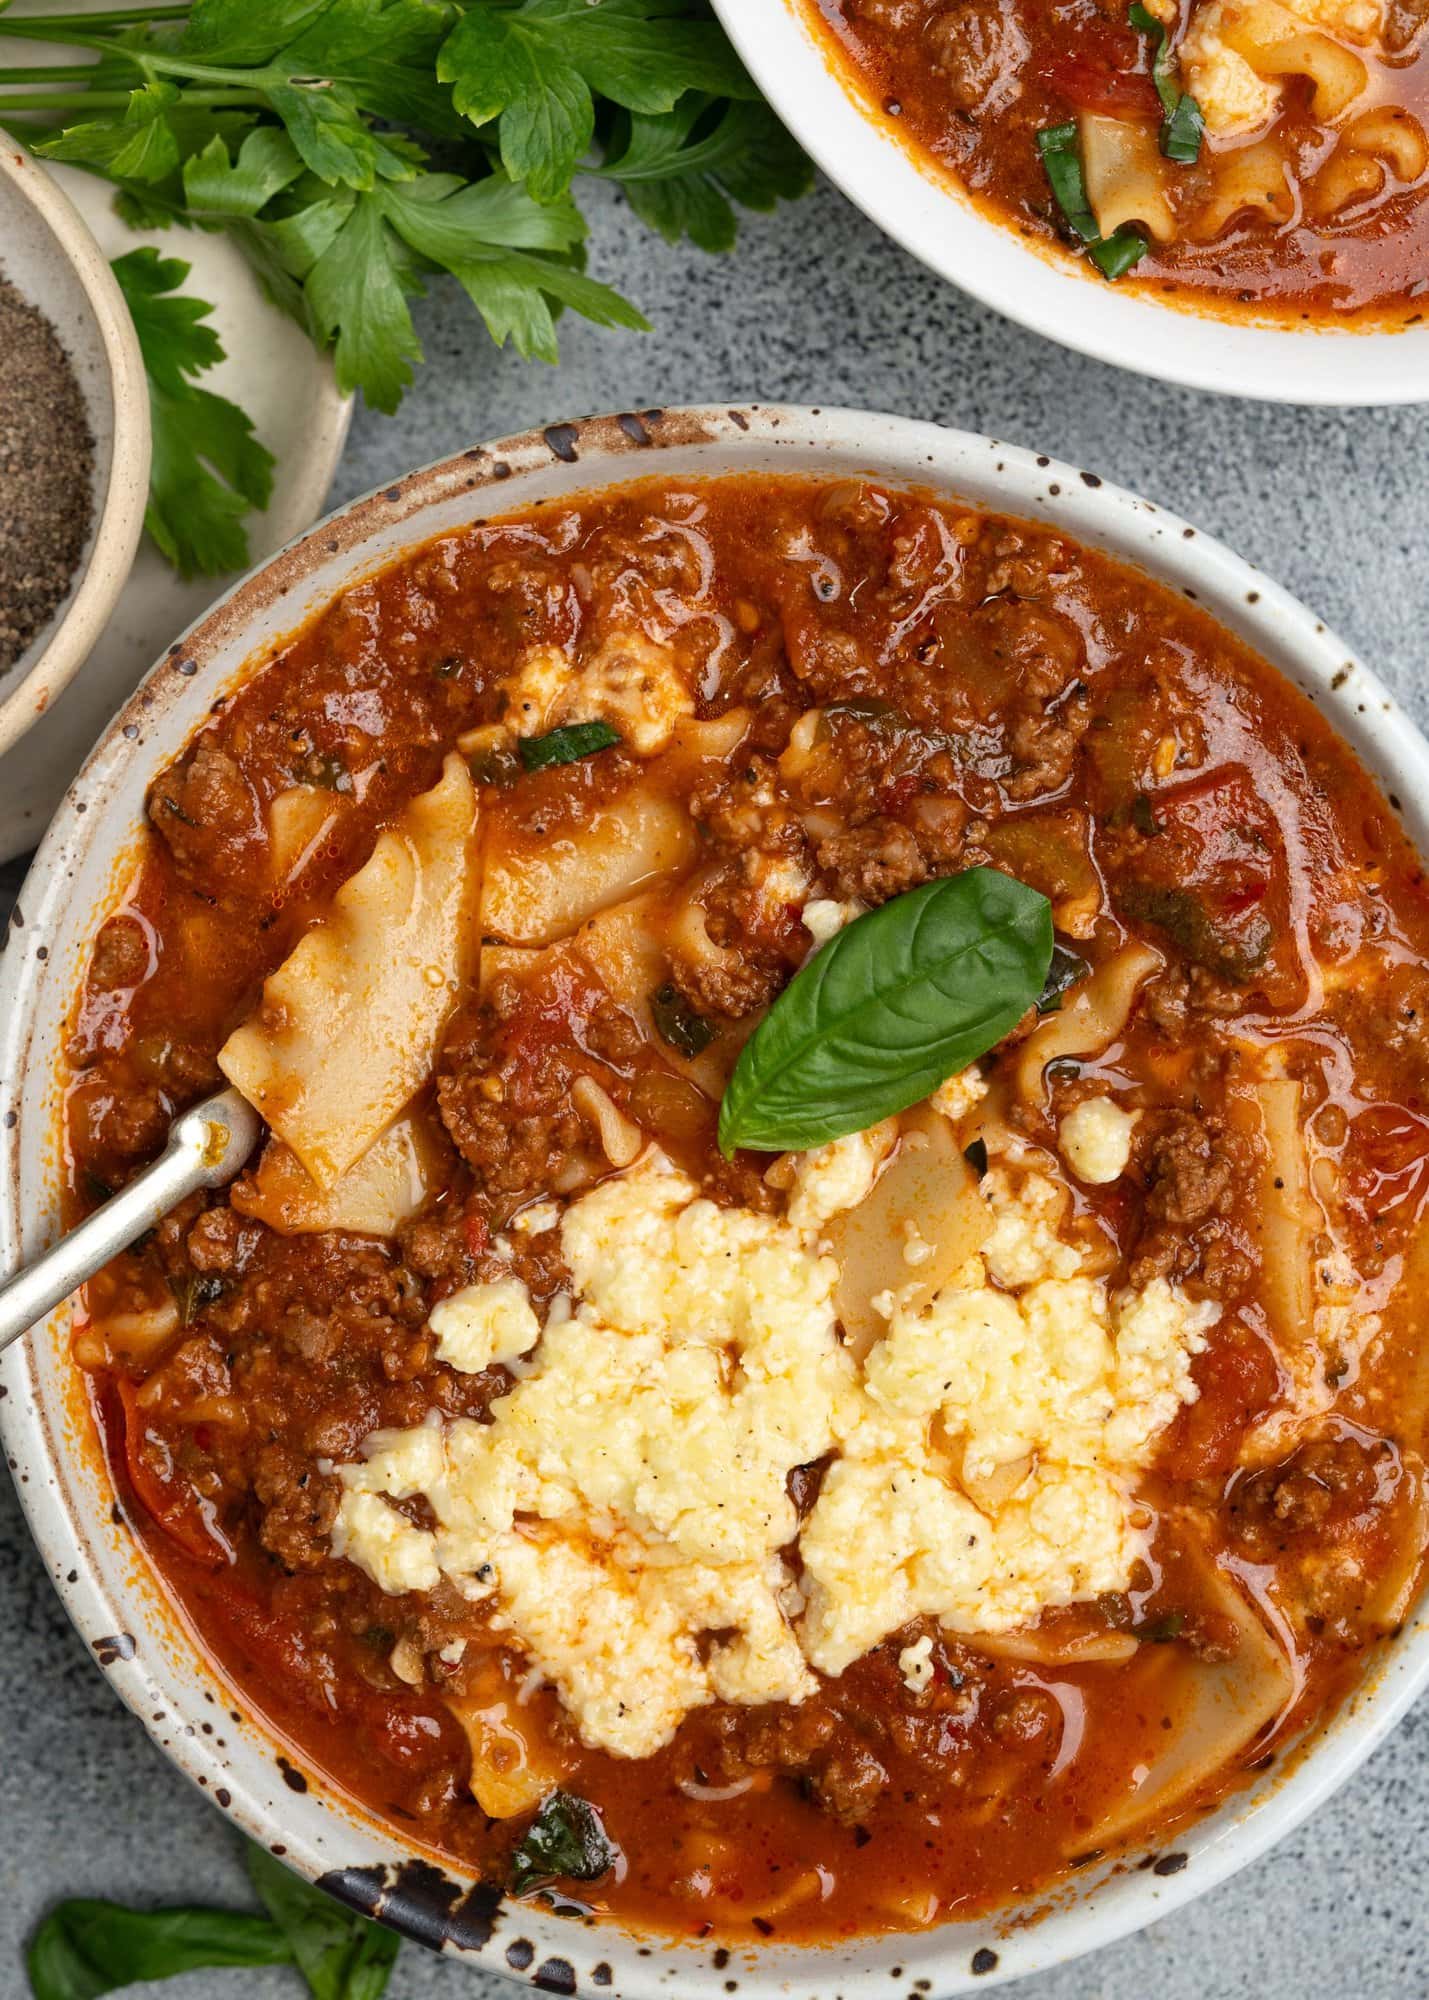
(35, 994)
(120, 515)
(920, 206)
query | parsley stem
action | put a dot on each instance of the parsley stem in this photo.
(116, 100)
(118, 17)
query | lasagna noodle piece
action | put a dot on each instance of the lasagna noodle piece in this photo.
(348, 1026)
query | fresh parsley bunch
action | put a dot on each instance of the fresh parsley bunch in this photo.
(353, 148)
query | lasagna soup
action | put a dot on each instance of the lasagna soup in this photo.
(1249, 154)
(785, 1538)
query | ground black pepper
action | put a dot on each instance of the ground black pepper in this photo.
(46, 472)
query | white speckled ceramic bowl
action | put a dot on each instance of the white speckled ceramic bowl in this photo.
(840, 125)
(49, 256)
(97, 1565)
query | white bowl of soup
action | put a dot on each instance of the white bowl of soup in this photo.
(993, 1488)
(1279, 252)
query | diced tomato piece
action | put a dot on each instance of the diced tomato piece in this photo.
(1238, 1379)
(185, 1516)
(1387, 1163)
(1094, 83)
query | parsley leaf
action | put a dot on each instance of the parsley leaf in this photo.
(303, 130)
(208, 469)
(539, 66)
(681, 169)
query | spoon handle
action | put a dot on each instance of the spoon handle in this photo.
(207, 1145)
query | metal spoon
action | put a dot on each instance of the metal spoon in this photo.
(207, 1145)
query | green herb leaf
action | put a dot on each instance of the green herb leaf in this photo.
(564, 746)
(538, 67)
(677, 1023)
(208, 469)
(1060, 148)
(682, 169)
(565, 1838)
(342, 1956)
(86, 1948)
(1114, 255)
(216, 186)
(1182, 123)
(1063, 972)
(1161, 1631)
(898, 1001)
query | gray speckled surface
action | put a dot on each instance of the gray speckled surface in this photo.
(818, 308)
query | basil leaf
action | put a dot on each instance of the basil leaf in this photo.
(898, 1001)
(1061, 156)
(342, 1956)
(1181, 134)
(1116, 254)
(564, 746)
(85, 1948)
(565, 1838)
(1064, 971)
(1182, 123)
(677, 1023)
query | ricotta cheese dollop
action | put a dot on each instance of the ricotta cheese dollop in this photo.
(625, 1515)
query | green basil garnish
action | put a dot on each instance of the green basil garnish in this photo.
(898, 1001)
(677, 1023)
(87, 1947)
(1064, 971)
(1182, 123)
(343, 1956)
(565, 1838)
(564, 746)
(1060, 148)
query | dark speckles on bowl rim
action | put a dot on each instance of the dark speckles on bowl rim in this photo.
(44, 1424)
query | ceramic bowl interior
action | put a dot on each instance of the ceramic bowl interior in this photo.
(45, 1425)
(1053, 293)
(49, 256)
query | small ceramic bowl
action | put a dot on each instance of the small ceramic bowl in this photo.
(51, 259)
(842, 128)
(45, 1424)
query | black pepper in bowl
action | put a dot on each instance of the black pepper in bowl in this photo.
(46, 472)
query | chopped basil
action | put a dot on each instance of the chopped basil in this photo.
(1143, 816)
(565, 1838)
(1115, 254)
(1183, 124)
(564, 746)
(1060, 148)
(1064, 971)
(1061, 156)
(495, 763)
(1161, 1631)
(900, 1000)
(200, 1289)
(677, 1022)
